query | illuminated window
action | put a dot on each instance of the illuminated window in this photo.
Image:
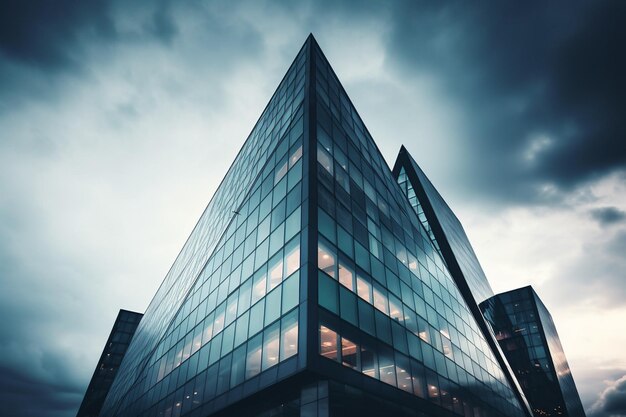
(259, 286)
(364, 289)
(270, 346)
(289, 336)
(292, 259)
(275, 272)
(346, 277)
(328, 343)
(348, 353)
(395, 309)
(380, 300)
(326, 260)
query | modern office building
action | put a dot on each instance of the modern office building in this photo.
(312, 286)
(528, 337)
(122, 333)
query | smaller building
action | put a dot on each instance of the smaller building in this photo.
(527, 335)
(123, 330)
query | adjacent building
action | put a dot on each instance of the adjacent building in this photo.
(528, 337)
(122, 333)
(316, 284)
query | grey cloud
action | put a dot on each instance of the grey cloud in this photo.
(608, 216)
(596, 277)
(612, 401)
(43, 34)
(519, 72)
(17, 390)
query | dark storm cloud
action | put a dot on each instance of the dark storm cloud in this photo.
(541, 88)
(607, 216)
(21, 394)
(43, 33)
(612, 401)
(41, 41)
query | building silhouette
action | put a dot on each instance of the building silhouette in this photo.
(314, 284)
(121, 334)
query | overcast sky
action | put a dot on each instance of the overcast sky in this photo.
(119, 119)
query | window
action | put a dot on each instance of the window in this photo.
(295, 156)
(368, 362)
(387, 368)
(280, 171)
(253, 359)
(289, 336)
(346, 277)
(364, 289)
(326, 260)
(270, 346)
(258, 288)
(349, 353)
(328, 343)
(325, 159)
(275, 272)
(380, 300)
(395, 309)
(292, 258)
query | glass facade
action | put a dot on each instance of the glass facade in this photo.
(312, 287)
(228, 309)
(123, 330)
(528, 337)
(389, 308)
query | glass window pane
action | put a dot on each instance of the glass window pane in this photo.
(259, 285)
(325, 159)
(291, 292)
(380, 300)
(349, 353)
(346, 277)
(295, 156)
(368, 362)
(327, 293)
(272, 306)
(275, 271)
(292, 257)
(326, 260)
(257, 313)
(253, 359)
(364, 289)
(403, 372)
(289, 336)
(280, 172)
(328, 343)
(270, 346)
(395, 309)
(386, 367)
(238, 366)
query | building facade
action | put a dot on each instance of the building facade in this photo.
(311, 286)
(122, 333)
(528, 337)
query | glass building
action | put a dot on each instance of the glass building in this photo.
(109, 363)
(528, 337)
(312, 286)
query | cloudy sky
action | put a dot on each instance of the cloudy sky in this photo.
(118, 120)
